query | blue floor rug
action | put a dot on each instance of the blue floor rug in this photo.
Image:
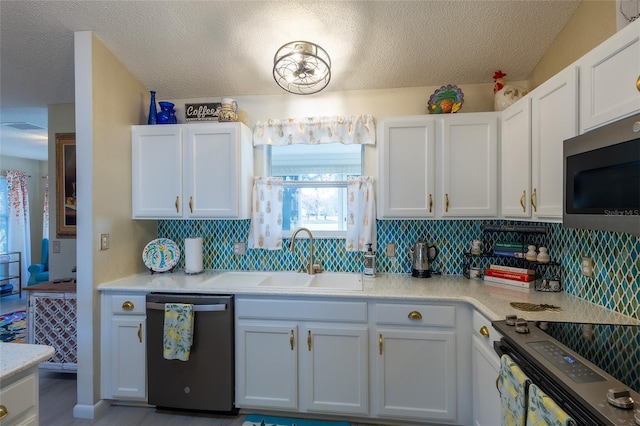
(13, 327)
(260, 420)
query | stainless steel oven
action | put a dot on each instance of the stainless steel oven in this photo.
(569, 373)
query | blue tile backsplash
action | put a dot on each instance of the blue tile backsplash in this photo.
(615, 283)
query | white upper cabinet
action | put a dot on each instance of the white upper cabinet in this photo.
(610, 79)
(157, 171)
(515, 149)
(191, 171)
(468, 165)
(554, 118)
(406, 167)
(424, 161)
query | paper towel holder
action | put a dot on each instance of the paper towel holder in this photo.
(193, 256)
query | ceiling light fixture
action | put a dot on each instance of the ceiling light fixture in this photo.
(302, 68)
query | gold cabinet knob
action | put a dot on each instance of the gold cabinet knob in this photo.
(3, 412)
(638, 83)
(484, 331)
(128, 305)
(414, 315)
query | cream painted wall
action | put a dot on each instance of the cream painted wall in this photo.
(109, 99)
(119, 100)
(35, 186)
(61, 118)
(591, 24)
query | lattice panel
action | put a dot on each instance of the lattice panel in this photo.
(55, 324)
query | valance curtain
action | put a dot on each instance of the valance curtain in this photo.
(361, 214)
(316, 130)
(266, 214)
(19, 229)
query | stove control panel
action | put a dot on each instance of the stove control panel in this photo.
(573, 368)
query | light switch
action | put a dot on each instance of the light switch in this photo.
(104, 241)
(56, 246)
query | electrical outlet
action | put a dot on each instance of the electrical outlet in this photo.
(587, 266)
(239, 248)
(391, 250)
(104, 241)
(56, 246)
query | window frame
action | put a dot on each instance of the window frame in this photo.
(314, 184)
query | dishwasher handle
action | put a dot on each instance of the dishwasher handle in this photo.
(196, 308)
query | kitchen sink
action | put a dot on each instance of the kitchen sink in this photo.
(285, 279)
(337, 281)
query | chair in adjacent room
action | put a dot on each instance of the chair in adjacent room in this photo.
(39, 272)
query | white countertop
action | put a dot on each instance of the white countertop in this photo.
(17, 357)
(489, 298)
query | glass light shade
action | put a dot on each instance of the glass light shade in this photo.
(302, 68)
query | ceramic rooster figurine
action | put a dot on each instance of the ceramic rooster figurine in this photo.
(505, 94)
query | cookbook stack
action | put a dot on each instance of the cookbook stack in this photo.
(509, 249)
(517, 277)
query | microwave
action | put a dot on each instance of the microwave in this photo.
(601, 184)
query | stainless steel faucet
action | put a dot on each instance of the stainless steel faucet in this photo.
(312, 268)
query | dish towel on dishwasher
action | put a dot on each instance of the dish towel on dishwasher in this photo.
(178, 331)
(513, 385)
(543, 411)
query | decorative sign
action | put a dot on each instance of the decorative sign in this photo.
(202, 112)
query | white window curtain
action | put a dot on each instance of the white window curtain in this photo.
(266, 214)
(361, 214)
(316, 130)
(45, 211)
(19, 224)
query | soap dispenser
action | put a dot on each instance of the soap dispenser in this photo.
(369, 262)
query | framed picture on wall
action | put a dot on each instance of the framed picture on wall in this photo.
(66, 185)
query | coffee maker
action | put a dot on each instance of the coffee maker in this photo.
(422, 254)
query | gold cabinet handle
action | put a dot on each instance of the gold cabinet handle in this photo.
(128, 306)
(291, 339)
(140, 332)
(638, 83)
(430, 203)
(524, 195)
(498, 387)
(414, 315)
(309, 340)
(446, 203)
(177, 202)
(191, 204)
(484, 331)
(533, 200)
(3, 412)
(380, 343)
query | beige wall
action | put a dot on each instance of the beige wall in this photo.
(119, 100)
(61, 118)
(109, 99)
(591, 24)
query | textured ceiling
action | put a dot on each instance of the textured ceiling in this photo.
(185, 49)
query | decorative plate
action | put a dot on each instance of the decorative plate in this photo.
(447, 99)
(161, 254)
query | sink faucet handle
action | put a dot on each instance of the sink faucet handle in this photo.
(317, 268)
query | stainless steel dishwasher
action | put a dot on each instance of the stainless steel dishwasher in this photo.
(206, 381)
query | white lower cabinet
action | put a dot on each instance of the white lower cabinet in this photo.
(415, 362)
(302, 355)
(124, 372)
(485, 369)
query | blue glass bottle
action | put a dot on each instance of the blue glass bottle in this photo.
(167, 114)
(153, 110)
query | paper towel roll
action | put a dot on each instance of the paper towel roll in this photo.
(193, 255)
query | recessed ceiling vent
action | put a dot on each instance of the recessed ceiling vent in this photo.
(23, 125)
